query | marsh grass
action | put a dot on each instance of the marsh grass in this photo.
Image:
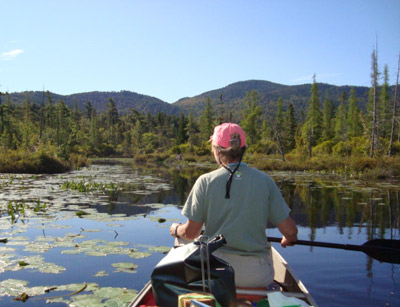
(354, 166)
(32, 162)
(361, 167)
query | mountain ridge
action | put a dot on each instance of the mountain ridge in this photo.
(232, 97)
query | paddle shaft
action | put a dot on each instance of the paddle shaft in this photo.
(325, 244)
(380, 249)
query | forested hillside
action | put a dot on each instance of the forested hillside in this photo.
(231, 97)
(124, 101)
(353, 126)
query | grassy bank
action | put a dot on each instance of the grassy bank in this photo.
(38, 162)
(364, 168)
(358, 167)
(47, 160)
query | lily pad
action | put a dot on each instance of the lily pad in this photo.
(137, 254)
(12, 287)
(100, 297)
(71, 251)
(38, 247)
(4, 249)
(52, 268)
(85, 300)
(126, 267)
(91, 230)
(96, 253)
(101, 274)
(160, 249)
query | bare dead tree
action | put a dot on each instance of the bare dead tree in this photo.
(394, 109)
(41, 116)
(279, 142)
(374, 83)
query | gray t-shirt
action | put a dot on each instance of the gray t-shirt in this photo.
(254, 201)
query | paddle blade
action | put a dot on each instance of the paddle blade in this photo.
(383, 250)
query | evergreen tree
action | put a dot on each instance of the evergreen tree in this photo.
(62, 123)
(49, 117)
(266, 132)
(291, 127)
(8, 134)
(27, 111)
(312, 128)
(88, 110)
(191, 131)
(181, 132)
(207, 121)
(112, 121)
(1, 115)
(341, 119)
(5, 126)
(327, 120)
(279, 130)
(150, 123)
(354, 123)
(221, 118)
(167, 129)
(279, 115)
(251, 117)
(41, 116)
(94, 138)
(137, 133)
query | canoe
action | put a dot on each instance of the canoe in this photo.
(285, 279)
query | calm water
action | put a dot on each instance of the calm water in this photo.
(107, 226)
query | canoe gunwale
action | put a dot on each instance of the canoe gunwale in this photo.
(285, 277)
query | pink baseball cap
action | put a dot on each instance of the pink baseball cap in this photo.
(223, 134)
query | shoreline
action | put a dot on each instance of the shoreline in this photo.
(360, 168)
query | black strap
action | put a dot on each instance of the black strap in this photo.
(229, 182)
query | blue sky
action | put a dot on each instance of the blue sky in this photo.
(172, 49)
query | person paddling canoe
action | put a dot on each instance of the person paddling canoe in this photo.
(237, 201)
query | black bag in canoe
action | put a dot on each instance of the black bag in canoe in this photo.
(193, 268)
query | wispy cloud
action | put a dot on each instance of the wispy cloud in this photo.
(9, 55)
(322, 77)
(307, 78)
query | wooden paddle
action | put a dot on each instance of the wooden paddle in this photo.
(380, 249)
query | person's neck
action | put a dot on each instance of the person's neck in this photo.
(230, 162)
(226, 164)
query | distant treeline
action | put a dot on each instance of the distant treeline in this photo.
(52, 130)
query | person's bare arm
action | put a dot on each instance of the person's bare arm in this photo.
(288, 229)
(188, 231)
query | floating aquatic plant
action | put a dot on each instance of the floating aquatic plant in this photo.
(101, 274)
(22, 263)
(160, 249)
(12, 287)
(81, 213)
(126, 267)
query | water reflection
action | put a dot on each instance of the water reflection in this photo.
(315, 202)
(124, 199)
(319, 204)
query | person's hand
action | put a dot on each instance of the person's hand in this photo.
(285, 242)
(173, 228)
